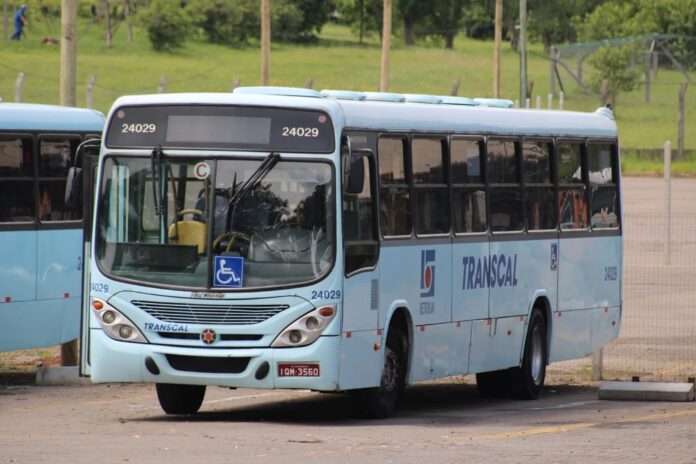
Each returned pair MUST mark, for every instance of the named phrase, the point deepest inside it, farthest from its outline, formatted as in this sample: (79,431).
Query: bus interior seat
(189,231)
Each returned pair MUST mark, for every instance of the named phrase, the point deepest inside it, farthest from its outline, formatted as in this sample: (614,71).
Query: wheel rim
(537,356)
(390,373)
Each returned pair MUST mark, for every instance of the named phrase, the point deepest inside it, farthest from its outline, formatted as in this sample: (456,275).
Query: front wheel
(527,381)
(180,399)
(380,402)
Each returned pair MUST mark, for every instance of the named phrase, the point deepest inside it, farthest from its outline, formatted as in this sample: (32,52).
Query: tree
(411,13)
(168,24)
(446,16)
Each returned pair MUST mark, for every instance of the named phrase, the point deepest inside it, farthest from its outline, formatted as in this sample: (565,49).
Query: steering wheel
(231,236)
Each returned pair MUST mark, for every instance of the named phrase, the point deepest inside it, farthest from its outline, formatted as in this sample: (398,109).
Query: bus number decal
(326,294)
(147,128)
(610,273)
(100,287)
(300,131)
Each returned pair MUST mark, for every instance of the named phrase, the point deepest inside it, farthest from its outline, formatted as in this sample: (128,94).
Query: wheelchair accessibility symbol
(229,271)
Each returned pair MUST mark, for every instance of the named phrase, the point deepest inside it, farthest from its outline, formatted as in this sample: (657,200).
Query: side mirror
(356,177)
(73,187)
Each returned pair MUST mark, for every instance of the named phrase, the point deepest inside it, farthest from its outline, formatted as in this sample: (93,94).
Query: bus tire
(380,402)
(527,380)
(494,384)
(180,399)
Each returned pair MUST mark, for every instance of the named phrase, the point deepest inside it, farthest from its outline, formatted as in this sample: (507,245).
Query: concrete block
(647,391)
(63,375)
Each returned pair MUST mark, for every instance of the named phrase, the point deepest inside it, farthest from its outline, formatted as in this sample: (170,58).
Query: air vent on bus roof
(283,91)
(495,102)
(421,98)
(344,94)
(384,96)
(459,101)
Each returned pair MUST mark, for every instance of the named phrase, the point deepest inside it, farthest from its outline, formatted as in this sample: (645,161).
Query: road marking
(563,406)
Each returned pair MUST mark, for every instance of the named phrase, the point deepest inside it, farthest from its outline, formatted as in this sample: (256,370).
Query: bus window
(468,186)
(603,192)
(430,186)
(506,190)
(395,209)
(539,190)
(56,155)
(16,179)
(572,206)
(359,229)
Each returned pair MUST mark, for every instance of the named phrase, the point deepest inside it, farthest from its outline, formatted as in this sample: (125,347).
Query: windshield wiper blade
(157,192)
(253,180)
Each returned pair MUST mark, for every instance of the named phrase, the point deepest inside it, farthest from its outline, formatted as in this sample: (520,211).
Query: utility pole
(265,42)
(523,50)
(6,20)
(68,66)
(498,40)
(386,45)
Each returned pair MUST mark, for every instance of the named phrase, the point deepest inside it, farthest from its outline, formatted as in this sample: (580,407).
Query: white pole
(668,201)
(561,96)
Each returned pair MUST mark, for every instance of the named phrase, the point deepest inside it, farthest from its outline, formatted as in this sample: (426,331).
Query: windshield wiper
(253,180)
(157,192)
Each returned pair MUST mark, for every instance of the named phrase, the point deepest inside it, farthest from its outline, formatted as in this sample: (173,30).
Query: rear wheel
(180,399)
(380,402)
(527,381)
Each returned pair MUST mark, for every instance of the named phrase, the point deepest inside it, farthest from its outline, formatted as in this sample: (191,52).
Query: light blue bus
(349,241)
(40,237)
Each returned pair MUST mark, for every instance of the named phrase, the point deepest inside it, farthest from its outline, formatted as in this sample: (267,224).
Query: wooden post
(386,45)
(454,90)
(549,102)
(655,64)
(668,201)
(553,57)
(648,63)
(530,89)
(235,83)
(496,53)
(310,83)
(538,102)
(6,22)
(597,364)
(265,42)
(163,84)
(90,91)
(527,103)
(561,97)
(68,78)
(680,120)
(603,89)
(107,22)
(129,26)
(19,85)
(523,51)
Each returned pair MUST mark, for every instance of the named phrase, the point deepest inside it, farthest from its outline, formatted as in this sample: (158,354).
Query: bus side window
(572,206)
(56,156)
(395,209)
(539,191)
(505,190)
(359,225)
(604,202)
(17,179)
(430,185)
(468,185)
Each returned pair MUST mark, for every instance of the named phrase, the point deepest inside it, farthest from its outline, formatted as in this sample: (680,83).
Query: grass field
(337,60)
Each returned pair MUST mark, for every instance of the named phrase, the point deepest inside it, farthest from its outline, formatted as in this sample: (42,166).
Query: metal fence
(657,341)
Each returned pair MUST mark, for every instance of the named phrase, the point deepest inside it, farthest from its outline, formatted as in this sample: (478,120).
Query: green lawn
(335,61)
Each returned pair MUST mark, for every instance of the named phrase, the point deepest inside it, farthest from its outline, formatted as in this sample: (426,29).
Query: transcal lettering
(165,327)
(489,272)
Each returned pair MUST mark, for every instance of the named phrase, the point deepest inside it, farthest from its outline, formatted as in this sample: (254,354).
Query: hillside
(335,61)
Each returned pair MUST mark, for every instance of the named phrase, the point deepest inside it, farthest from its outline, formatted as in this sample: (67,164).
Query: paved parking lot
(443,422)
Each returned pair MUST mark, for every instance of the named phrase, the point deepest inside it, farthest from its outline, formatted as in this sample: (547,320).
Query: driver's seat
(189,232)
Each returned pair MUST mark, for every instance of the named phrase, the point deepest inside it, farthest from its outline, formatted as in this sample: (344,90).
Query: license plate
(298,370)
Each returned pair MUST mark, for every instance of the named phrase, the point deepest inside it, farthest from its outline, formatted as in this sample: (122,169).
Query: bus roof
(418,114)
(29,117)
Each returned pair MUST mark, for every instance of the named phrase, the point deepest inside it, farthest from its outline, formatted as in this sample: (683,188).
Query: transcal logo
(489,272)
(427,280)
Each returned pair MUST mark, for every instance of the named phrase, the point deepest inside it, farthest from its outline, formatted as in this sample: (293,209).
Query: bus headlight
(115,324)
(306,329)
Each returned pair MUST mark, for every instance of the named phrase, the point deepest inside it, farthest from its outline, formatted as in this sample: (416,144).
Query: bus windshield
(276,215)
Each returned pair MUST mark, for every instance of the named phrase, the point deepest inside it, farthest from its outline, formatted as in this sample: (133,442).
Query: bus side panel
(432,350)
(360,365)
(32,324)
(496,343)
(518,269)
(59,265)
(570,338)
(469,299)
(605,326)
(18,269)
(359,310)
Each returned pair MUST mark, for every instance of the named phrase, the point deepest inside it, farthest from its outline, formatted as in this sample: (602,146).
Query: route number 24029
(326,294)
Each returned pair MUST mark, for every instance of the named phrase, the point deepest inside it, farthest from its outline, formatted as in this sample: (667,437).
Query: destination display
(221,127)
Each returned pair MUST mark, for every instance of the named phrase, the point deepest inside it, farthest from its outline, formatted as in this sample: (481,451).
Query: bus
(40,237)
(344,241)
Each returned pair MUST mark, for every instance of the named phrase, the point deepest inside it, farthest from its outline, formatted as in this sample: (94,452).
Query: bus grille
(207,364)
(213,314)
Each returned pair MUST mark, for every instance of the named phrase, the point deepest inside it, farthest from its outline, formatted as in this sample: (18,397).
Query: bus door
(89,159)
